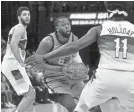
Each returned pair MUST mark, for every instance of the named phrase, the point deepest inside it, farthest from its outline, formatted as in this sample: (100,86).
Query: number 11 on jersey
(117,47)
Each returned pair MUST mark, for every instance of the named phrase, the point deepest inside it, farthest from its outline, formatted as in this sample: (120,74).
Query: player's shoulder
(47,40)
(113,22)
(129,25)
(19,28)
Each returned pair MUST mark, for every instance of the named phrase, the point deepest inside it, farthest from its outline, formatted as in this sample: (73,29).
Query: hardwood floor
(41,108)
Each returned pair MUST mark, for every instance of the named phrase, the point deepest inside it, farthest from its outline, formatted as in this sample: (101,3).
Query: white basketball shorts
(16,75)
(108,84)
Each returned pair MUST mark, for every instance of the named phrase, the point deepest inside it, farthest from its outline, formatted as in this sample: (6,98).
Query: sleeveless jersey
(21,45)
(56,44)
(116,45)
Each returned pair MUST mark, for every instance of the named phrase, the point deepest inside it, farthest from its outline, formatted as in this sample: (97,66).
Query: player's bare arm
(69,48)
(18,32)
(44,47)
(73,47)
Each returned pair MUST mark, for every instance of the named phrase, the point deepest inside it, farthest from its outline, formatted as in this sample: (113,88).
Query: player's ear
(19,18)
(57,29)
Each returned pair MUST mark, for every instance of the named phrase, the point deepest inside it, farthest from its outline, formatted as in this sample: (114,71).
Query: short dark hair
(120,5)
(20,9)
(56,21)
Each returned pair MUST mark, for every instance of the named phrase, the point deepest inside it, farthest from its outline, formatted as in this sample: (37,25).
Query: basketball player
(65,92)
(13,66)
(115,73)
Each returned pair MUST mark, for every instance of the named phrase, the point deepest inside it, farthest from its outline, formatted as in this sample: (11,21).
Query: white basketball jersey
(116,45)
(21,45)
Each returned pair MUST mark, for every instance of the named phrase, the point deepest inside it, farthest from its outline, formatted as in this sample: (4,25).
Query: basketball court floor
(41,108)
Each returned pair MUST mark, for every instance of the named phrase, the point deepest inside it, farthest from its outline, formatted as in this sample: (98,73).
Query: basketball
(76,71)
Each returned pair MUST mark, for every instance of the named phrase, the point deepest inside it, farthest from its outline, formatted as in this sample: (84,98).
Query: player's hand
(22,64)
(39,67)
(64,69)
(34,60)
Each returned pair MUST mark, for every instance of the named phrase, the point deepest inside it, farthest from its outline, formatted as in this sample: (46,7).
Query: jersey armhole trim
(73,38)
(52,43)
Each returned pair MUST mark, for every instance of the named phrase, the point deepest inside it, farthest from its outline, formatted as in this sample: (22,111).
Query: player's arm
(18,32)
(44,47)
(77,57)
(73,47)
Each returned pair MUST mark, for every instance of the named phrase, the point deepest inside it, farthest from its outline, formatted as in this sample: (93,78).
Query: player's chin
(68,33)
(27,22)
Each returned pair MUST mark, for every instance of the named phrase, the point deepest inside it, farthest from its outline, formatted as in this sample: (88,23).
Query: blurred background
(83,16)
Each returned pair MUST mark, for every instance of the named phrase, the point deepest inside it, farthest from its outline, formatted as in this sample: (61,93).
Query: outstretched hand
(34,60)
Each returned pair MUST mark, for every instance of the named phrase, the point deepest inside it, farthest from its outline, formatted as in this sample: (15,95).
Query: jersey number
(117,47)
(61,60)
(64,60)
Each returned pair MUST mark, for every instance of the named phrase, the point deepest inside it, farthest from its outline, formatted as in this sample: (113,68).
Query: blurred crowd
(9,99)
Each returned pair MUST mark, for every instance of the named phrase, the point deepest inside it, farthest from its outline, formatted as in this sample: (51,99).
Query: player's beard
(65,34)
(23,22)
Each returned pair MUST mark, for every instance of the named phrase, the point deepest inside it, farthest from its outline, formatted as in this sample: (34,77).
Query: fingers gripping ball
(75,71)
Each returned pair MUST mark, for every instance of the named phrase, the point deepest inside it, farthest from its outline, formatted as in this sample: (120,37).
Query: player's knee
(96,109)
(69,103)
(70,107)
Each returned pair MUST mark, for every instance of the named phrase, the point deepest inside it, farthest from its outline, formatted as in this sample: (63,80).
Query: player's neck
(61,38)
(23,24)
(118,19)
